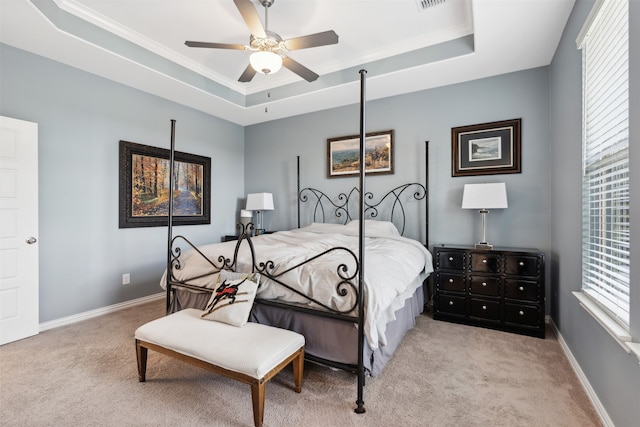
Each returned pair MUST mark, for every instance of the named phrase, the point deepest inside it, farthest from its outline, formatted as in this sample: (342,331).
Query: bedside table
(501,289)
(231,237)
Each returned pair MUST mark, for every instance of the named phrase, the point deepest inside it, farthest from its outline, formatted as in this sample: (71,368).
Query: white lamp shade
(265,62)
(485,196)
(259,202)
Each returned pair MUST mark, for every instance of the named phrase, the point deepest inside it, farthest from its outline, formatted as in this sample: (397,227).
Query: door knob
(31,240)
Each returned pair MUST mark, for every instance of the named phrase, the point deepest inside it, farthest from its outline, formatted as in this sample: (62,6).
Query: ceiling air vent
(423,4)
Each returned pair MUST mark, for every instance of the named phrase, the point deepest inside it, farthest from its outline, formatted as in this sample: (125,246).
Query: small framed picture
(343,154)
(486,149)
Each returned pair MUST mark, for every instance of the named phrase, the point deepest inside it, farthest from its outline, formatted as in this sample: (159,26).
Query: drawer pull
(521,313)
(484,261)
(521,263)
(450,302)
(450,258)
(484,307)
(450,280)
(484,283)
(521,288)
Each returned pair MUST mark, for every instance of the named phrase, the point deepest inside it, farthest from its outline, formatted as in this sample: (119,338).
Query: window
(605,180)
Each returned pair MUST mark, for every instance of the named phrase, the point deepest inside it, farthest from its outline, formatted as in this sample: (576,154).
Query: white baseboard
(593,397)
(98,312)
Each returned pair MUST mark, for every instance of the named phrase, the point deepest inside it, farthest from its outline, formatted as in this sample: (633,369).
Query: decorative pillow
(232,300)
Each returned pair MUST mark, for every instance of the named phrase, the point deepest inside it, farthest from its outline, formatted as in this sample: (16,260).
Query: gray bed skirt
(326,338)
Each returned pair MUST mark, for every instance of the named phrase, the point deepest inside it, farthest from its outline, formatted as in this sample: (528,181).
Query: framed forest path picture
(144,187)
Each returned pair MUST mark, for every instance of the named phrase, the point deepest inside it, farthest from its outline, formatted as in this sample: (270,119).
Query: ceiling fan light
(265,62)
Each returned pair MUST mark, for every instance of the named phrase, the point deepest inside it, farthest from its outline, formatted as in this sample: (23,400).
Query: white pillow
(373,227)
(319,227)
(232,300)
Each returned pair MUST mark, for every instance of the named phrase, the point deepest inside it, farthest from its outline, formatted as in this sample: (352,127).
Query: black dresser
(500,289)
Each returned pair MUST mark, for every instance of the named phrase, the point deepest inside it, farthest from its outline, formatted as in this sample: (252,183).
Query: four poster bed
(313,279)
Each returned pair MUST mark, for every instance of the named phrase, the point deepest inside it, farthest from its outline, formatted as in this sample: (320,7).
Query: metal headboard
(343,208)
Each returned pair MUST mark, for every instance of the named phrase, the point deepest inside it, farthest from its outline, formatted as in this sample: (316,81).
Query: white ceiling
(140,43)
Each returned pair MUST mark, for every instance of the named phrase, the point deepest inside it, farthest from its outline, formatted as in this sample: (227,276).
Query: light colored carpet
(443,374)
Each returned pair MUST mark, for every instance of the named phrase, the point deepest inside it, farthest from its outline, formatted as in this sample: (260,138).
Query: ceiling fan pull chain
(266,109)
(268,94)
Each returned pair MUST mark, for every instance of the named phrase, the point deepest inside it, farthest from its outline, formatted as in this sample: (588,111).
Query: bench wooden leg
(141,355)
(298,369)
(257,398)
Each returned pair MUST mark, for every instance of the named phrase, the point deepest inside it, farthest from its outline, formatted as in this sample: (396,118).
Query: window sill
(618,333)
(635,348)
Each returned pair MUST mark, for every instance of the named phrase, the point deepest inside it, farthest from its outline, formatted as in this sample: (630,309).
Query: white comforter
(394,267)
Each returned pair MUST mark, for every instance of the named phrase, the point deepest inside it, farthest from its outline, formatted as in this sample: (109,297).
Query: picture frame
(486,149)
(343,154)
(144,187)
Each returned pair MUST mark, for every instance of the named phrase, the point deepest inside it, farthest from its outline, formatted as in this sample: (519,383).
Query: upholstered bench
(252,354)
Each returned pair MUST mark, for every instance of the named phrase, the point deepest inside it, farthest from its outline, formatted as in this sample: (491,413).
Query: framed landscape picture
(486,149)
(144,187)
(343,154)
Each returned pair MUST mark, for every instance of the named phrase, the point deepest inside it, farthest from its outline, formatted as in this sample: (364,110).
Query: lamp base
(484,246)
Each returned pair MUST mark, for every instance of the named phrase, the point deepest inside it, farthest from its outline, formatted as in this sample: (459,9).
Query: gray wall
(271,149)
(81,118)
(613,374)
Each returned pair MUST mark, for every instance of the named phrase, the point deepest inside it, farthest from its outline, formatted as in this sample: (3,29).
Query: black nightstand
(231,237)
(500,289)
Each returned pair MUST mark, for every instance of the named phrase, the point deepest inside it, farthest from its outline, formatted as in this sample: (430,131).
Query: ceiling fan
(268,46)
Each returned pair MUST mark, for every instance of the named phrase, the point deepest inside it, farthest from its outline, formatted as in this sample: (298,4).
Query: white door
(19,315)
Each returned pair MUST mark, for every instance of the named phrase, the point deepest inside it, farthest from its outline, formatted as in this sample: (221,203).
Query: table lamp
(484,197)
(259,202)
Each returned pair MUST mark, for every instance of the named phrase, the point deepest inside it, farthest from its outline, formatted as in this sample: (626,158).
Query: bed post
(298,192)
(170,218)
(360,400)
(426,195)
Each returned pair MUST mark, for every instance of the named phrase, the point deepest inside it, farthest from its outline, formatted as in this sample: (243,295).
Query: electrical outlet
(126,278)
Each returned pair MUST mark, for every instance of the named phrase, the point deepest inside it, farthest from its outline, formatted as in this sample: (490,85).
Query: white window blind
(605,179)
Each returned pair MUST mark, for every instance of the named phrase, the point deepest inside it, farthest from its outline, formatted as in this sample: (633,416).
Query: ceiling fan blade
(251,17)
(215,45)
(299,69)
(247,75)
(312,40)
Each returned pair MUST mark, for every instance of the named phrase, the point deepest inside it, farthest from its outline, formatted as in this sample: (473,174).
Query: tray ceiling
(403,47)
